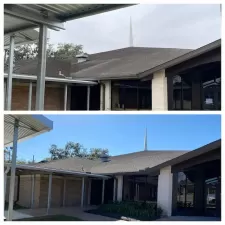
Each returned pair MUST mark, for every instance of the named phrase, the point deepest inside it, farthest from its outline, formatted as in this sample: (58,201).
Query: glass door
(213,197)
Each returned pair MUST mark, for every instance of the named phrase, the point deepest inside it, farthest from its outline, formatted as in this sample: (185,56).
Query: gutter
(53,79)
(51,170)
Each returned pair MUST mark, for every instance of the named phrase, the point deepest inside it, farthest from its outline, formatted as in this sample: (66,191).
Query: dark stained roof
(124,63)
(119,63)
(127,163)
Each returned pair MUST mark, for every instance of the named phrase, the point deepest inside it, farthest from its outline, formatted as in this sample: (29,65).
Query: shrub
(137,210)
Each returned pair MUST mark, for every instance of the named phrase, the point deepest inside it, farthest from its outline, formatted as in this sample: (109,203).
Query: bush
(136,210)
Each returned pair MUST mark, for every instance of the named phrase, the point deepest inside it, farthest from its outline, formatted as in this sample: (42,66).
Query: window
(185,194)
(140,188)
(131,94)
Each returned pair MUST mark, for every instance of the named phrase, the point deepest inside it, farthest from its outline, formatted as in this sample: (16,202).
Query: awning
(22,37)
(29,126)
(19,17)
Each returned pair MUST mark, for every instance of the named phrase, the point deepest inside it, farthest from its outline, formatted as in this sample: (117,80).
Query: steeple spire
(145,141)
(131,34)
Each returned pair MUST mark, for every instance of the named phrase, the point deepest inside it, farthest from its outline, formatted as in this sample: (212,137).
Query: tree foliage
(73,149)
(60,51)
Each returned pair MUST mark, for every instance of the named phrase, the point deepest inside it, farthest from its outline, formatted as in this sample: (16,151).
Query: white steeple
(145,141)
(131,34)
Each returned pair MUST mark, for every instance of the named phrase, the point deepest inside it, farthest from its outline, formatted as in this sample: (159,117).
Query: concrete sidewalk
(70,211)
(189,218)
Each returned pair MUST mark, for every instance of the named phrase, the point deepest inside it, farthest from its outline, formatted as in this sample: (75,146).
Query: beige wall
(72,197)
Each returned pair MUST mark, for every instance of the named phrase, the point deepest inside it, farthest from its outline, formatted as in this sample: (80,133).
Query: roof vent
(82,57)
(104,157)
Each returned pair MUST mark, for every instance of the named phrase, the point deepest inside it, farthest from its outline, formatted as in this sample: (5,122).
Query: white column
(164,195)
(114,190)
(103,191)
(49,192)
(32,190)
(64,192)
(30,96)
(13,171)
(159,91)
(65,97)
(119,188)
(10,73)
(82,192)
(42,57)
(107,95)
(102,94)
(88,97)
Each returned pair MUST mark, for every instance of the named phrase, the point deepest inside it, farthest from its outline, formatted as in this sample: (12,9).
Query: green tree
(73,149)
(30,51)
(67,51)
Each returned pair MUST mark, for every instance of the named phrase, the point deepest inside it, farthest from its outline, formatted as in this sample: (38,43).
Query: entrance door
(213,197)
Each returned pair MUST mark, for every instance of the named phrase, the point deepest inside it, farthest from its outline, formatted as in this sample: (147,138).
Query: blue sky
(123,134)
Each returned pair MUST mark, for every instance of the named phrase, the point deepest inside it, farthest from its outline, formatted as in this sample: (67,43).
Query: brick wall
(54,97)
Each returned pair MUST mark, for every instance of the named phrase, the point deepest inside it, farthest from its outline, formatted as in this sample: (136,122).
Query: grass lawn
(52,218)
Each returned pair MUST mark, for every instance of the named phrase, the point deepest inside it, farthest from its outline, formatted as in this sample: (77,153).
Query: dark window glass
(185,194)
(140,188)
(131,94)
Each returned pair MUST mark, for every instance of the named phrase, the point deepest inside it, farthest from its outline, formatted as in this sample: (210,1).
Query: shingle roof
(125,63)
(119,63)
(127,163)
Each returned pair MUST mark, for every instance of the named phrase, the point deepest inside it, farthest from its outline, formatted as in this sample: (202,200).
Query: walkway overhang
(29,126)
(26,16)
(22,37)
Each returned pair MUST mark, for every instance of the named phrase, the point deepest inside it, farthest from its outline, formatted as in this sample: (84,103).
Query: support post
(119,188)
(64,192)
(82,193)
(30,96)
(65,96)
(42,57)
(5,92)
(88,97)
(49,192)
(5,180)
(114,190)
(13,171)
(32,190)
(10,73)
(103,191)
(102,99)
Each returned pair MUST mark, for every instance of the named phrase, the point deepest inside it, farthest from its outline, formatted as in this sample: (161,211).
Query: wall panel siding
(73,192)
